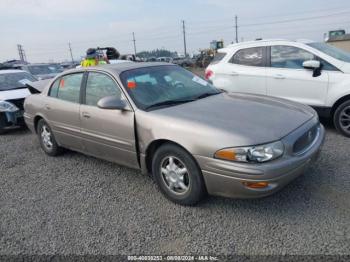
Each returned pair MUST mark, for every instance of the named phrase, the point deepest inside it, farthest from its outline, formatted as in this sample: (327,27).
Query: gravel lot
(74,204)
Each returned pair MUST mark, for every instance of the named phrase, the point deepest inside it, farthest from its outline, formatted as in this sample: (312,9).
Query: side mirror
(311,64)
(112,102)
(314,65)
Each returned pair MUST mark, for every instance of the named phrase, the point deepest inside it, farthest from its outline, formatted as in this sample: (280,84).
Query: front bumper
(228,179)
(11,120)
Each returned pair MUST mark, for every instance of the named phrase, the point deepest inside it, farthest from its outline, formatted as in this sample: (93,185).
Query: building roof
(345,37)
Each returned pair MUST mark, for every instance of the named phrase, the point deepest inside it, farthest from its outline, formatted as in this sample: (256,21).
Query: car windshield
(10,81)
(332,51)
(161,86)
(45,69)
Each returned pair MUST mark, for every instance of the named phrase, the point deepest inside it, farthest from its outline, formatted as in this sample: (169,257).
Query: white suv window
(289,57)
(253,56)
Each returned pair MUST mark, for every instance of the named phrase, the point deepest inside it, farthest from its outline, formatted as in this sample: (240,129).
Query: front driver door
(107,134)
(287,78)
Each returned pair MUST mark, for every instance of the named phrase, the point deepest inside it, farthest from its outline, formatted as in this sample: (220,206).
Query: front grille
(306,140)
(17,102)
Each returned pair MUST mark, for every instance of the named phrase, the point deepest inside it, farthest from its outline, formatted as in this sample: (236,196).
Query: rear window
(218,57)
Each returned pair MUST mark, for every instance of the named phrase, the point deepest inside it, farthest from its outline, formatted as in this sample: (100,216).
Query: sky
(45,27)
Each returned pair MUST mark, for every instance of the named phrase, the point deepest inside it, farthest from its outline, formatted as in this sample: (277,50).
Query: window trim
(83,90)
(59,78)
(315,57)
(264,57)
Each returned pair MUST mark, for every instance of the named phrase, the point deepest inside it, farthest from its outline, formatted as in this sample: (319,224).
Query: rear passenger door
(246,71)
(61,110)
(106,133)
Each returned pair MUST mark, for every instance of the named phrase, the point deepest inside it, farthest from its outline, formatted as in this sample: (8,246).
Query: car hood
(46,76)
(345,67)
(234,119)
(14,94)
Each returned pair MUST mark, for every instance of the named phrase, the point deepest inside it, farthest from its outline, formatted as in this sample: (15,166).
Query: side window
(54,88)
(99,86)
(289,57)
(249,56)
(69,87)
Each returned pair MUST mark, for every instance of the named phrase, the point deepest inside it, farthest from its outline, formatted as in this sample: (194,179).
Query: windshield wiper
(169,102)
(204,95)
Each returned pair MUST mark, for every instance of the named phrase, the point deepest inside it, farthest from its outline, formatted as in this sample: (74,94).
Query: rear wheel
(47,139)
(177,175)
(342,118)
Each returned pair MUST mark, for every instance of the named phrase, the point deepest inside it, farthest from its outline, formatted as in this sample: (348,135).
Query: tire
(179,179)
(2,123)
(47,139)
(341,118)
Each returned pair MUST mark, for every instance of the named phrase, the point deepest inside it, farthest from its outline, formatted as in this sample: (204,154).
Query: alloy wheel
(175,175)
(344,119)
(46,137)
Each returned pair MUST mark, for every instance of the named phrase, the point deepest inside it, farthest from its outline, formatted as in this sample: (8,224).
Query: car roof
(262,42)
(40,64)
(121,67)
(11,71)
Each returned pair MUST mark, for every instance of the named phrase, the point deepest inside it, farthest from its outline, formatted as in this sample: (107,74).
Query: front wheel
(47,139)
(177,175)
(342,118)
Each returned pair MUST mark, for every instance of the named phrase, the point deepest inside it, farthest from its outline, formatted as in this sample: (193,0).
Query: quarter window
(99,86)
(289,57)
(69,87)
(249,56)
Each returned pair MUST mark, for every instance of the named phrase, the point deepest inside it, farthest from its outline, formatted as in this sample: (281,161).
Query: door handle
(279,76)
(233,73)
(47,107)
(86,115)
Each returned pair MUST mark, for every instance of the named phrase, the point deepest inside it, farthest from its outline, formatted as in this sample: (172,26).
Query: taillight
(208,74)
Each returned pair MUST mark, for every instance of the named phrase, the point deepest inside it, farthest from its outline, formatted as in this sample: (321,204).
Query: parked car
(311,73)
(13,91)
(165,59)
(43,71)
(166,121)
(183,61)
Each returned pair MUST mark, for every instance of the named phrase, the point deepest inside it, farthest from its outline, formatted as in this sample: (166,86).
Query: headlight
(257,154)
(7,107)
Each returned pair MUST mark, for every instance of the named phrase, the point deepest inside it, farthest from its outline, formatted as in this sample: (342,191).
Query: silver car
(191,137)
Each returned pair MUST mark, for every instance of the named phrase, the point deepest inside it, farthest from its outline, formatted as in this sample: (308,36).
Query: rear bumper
(224,178)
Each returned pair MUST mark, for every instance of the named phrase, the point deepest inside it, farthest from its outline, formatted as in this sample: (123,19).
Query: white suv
(315,74)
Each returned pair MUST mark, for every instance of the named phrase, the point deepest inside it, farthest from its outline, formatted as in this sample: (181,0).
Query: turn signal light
(226,154)
(256,184)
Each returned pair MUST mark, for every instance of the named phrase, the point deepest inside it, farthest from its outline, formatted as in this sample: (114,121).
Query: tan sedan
(162,119)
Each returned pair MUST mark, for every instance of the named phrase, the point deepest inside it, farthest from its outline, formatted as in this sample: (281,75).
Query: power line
(295,20)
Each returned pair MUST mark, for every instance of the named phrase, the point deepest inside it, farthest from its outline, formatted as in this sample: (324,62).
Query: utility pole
(134,40)
(71,54)
(22,55)
(184,33)
(236,26)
